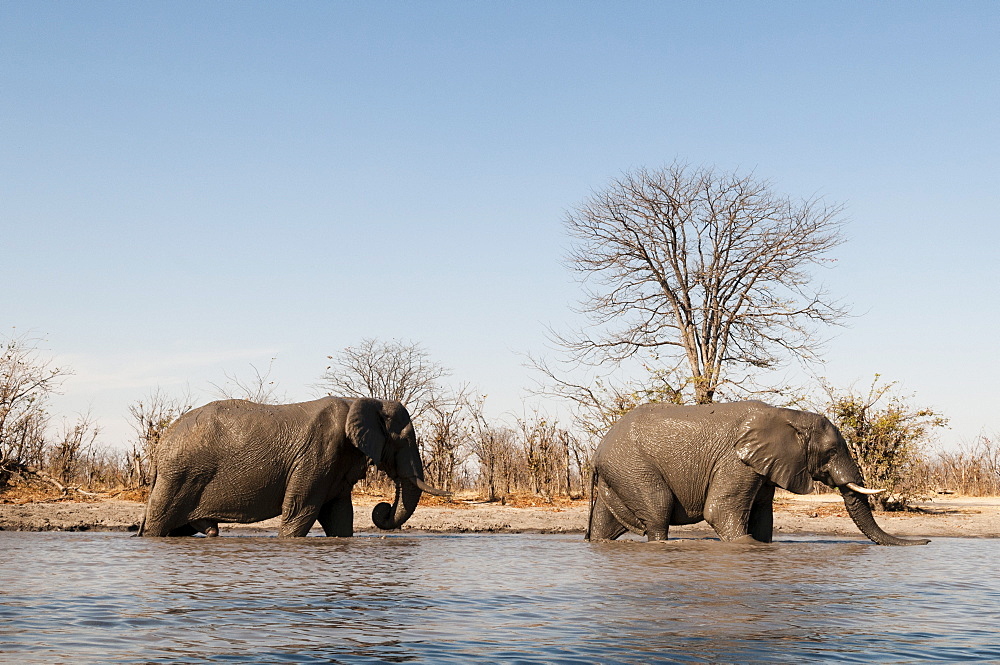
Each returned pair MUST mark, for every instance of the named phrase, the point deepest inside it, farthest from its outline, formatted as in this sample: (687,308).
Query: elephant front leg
(337,517)
(761,523)
(730,507)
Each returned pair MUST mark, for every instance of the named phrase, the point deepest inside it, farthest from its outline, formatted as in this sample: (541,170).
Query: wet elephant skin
(238,461)
(665,464)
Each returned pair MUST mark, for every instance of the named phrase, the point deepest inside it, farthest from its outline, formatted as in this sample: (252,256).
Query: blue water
(111,598)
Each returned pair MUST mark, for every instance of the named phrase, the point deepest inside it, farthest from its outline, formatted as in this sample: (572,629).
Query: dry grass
(37,492)
(23,492)
(139,494)
(825,509)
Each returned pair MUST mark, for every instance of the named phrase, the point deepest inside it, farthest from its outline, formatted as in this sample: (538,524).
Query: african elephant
(664,464)
(237,461)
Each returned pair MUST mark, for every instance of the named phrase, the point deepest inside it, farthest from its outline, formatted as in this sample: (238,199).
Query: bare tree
(601,401)
(707,266)
(261,388)
(580,452)
(73,447)
(151,417)
(443,435)
(494,448)
(26,382)
(546,454)
(401,371)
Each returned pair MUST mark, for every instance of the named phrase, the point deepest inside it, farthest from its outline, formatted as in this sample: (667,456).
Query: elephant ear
(773,446)
(365,427)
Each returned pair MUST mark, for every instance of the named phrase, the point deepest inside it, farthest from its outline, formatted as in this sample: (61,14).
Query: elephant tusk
(863,490)
(428,488)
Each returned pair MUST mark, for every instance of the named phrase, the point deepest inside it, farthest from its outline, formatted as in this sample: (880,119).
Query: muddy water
(110,598)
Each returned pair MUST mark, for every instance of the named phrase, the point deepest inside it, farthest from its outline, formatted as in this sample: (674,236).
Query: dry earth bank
(948,515)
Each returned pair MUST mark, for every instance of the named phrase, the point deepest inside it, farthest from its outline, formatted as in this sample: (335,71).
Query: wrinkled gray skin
(237,461)
(664,464)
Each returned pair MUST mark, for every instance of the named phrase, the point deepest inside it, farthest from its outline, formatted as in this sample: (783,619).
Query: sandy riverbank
(947,516)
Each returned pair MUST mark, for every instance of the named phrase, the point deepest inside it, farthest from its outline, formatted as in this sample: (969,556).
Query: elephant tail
(152,483)
(593,500)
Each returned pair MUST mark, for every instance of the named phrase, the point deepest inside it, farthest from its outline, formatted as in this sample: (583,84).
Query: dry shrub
(888,437)
(973,469)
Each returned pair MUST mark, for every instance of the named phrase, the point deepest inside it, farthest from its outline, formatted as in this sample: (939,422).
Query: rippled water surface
(111,598)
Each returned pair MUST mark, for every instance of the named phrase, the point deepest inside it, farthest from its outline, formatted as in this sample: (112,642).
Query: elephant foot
(744,540)
(208,527)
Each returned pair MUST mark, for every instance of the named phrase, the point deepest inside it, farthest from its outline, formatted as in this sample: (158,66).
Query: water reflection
(492,598)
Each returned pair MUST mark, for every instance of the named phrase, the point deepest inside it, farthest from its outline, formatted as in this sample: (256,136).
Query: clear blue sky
(188,188)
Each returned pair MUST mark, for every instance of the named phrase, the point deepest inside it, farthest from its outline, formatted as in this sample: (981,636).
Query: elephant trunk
(861,514)
(392,517)
(407,471)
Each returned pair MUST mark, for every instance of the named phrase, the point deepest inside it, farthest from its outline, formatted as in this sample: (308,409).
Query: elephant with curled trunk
(664,464)
(237,461)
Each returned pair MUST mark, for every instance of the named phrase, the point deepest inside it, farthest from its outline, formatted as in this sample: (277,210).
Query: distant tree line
(463,447)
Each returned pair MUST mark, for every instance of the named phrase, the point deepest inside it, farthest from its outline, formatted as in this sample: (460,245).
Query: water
(110,598)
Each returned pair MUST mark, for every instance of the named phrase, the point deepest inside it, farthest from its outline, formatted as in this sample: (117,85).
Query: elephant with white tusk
(237,461)
(664,464)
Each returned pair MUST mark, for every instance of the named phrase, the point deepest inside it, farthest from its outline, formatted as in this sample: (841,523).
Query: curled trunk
(861,513)
(390,517)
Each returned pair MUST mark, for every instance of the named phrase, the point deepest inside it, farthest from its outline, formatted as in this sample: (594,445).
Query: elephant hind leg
(297,518)
(603,524)
(642,508)
(165,514)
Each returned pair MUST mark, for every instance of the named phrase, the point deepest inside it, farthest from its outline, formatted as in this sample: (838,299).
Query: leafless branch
(260,388)
(151,416)
(396,370)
